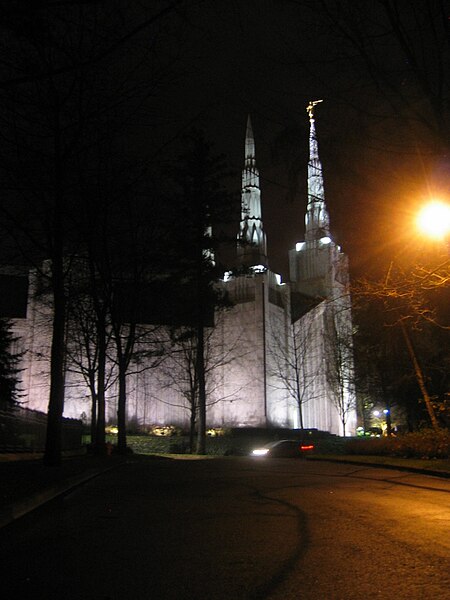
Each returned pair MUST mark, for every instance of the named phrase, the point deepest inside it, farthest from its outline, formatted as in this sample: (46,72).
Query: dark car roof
(278,442)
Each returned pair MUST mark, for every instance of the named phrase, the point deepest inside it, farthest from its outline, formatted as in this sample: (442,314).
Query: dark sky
(383,128)
(268,58)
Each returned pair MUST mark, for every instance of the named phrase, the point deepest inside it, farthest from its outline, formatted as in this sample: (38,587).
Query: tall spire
(252,244)
(317,266)
(249,145)
(317,220)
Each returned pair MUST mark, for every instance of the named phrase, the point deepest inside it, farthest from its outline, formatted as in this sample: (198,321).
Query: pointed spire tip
(249,140)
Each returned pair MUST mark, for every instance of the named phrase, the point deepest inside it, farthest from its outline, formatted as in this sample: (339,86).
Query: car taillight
(304,448)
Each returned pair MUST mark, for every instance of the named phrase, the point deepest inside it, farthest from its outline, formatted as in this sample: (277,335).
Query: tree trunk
(53,444)
(100,440)
(93,428)
(299,400)
(200,367)
(121,408)
(420,378)
(192,429)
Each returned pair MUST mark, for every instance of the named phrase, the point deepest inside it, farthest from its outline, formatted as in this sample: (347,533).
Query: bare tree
(64,87)
(179,370)
(394,61)
(134,343)
(43,125)
(88,338)
(338,357)
(411,302)
(293,363)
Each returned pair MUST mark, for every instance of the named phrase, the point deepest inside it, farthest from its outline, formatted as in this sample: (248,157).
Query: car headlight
(260,451)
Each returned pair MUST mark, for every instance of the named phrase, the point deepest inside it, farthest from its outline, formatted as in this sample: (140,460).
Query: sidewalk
(26,483)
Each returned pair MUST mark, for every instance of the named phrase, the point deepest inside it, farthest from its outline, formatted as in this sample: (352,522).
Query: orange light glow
(434,220)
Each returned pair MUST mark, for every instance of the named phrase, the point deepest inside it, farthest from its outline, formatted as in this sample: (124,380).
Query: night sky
(268,59)
(382,68)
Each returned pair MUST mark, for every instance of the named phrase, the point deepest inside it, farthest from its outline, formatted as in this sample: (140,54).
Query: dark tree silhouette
(199,194)
(9,366)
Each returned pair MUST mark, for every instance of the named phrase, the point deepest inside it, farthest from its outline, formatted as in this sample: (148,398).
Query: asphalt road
(235,529)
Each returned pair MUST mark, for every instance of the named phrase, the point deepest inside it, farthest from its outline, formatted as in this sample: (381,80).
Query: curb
(404,468)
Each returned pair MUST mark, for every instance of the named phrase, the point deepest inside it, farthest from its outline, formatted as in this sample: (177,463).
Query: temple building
(281,356)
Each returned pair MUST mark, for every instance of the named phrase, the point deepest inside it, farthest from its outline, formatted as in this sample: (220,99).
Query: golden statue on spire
(310,107)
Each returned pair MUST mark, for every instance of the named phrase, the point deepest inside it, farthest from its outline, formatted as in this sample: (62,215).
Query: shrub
(165,430)
(426,443)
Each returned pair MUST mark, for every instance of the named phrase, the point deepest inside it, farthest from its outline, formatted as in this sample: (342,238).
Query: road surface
(235,529)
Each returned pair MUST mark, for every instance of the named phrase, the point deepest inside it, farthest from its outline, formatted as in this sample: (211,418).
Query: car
(284,449)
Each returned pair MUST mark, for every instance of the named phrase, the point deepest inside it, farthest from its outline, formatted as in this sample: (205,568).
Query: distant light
(278,278)
(386,411)
(215,432)
(258,269)
(299,246)
(325,240)
(376,413)
(227,275)
(434,219)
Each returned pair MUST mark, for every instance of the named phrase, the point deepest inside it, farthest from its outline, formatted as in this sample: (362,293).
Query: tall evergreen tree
(9,371)
(198,195)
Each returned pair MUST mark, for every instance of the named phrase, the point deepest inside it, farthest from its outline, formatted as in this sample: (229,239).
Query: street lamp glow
(434,219)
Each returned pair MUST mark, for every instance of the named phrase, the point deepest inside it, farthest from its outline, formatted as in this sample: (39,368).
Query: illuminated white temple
(281,356)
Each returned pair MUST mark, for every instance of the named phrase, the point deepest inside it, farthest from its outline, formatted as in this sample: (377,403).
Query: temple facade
(281,356)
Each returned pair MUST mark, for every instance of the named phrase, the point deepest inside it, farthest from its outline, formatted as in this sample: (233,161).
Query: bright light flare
(260,451)
(434,220)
